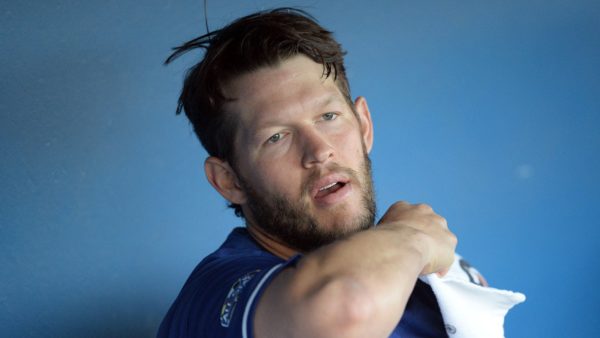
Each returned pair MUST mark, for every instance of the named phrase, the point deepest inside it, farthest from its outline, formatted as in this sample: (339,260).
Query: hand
(426,231)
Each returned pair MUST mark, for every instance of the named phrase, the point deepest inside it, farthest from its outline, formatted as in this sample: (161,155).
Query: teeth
(328,186)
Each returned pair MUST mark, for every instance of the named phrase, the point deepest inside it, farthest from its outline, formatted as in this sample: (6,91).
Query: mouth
(331,189)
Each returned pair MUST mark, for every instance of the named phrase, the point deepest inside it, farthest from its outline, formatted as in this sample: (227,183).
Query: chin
(347,223)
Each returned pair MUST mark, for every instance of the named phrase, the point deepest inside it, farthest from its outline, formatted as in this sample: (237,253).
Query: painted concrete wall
(487,110)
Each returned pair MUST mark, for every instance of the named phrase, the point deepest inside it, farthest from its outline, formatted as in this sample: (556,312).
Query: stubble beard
(292,223)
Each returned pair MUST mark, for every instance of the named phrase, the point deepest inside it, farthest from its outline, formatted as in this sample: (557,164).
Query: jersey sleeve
(219,298)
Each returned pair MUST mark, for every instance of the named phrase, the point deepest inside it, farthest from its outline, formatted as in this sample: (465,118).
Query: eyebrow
(325,99)
(321,101)
(328,99)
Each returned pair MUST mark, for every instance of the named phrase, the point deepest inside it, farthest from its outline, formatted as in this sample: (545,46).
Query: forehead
(286,89)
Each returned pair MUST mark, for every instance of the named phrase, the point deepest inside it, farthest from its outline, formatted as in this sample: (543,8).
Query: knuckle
(424,207)
(440,220)
(397,207)
(452,238)
(399,204)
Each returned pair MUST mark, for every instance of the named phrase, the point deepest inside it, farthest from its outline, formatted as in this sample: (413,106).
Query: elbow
(345,308)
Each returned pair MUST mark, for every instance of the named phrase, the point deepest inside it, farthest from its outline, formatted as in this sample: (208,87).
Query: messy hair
(258,40)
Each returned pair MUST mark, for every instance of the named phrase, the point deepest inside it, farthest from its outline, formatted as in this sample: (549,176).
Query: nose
(316,149)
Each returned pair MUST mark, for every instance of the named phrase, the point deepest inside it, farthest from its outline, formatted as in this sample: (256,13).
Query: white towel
(469,309)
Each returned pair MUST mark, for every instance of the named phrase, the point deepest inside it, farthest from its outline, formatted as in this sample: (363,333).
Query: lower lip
(336,197)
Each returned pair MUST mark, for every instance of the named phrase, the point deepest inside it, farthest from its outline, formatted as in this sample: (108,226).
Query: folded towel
(470,309)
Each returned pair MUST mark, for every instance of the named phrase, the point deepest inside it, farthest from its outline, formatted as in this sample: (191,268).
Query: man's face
(301,155)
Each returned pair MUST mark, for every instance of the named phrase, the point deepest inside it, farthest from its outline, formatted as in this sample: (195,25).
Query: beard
(291,221)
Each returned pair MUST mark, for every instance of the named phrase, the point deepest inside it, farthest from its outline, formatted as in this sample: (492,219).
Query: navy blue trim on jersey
(219,298)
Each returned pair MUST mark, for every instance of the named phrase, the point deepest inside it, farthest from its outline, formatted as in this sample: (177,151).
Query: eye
(329,116)
(275,138)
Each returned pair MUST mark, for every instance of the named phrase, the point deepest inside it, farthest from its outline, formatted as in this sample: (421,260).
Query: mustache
(332,168)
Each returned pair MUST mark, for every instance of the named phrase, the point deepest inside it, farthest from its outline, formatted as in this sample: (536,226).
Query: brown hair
(258,40)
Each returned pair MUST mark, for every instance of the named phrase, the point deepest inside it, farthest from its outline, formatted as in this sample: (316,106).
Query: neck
(270,243)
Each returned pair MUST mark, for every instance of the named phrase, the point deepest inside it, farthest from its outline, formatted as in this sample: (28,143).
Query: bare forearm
(375,269)
(358,286)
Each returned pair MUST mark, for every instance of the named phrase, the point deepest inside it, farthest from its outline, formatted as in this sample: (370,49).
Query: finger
(443,272)
(394,211)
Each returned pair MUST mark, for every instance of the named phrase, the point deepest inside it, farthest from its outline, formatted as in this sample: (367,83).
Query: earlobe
(366,125)
(224,179)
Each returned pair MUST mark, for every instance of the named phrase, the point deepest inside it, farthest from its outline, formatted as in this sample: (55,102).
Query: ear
(224,179)
(364,118)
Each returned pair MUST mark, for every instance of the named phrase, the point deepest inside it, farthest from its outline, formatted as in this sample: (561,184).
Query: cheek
(350,147)
(275,178)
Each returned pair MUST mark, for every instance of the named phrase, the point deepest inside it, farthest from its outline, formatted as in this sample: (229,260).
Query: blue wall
(489,112)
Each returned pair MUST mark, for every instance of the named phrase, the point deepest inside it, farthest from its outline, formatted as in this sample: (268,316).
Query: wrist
(415,245)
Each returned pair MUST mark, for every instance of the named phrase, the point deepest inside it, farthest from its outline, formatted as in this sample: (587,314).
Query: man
(288,148)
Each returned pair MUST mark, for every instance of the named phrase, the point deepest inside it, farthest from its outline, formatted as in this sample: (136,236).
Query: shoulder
(220,290)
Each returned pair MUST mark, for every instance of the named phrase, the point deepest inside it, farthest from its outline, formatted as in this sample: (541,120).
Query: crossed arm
(358,286)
